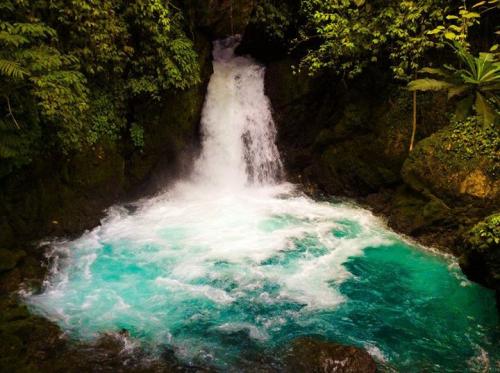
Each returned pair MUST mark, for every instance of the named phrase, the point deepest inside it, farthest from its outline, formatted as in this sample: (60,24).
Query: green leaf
(428,85)
(435,71)
(12,69)
(450,35)
(457,90)
(484,110)
(471,15)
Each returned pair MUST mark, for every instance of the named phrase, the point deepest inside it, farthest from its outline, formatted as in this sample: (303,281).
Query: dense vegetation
(69,71)
(347,37)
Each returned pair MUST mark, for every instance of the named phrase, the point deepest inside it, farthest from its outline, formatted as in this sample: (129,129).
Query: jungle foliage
(70,69)
(475,85)
(348,35)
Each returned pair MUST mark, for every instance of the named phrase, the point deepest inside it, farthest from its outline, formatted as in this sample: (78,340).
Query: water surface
(233,263)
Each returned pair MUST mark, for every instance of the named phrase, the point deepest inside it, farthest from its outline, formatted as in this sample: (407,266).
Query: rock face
(9,259)
(480,252)
(440,165)
(222,18)
(310,355)
(347,139)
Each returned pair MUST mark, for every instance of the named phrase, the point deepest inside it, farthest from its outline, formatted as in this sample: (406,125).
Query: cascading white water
(238,130)
(233,262)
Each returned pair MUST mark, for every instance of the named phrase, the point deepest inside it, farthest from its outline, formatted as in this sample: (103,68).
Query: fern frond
(12,69)
(15,40)
(7,5)
(34,30)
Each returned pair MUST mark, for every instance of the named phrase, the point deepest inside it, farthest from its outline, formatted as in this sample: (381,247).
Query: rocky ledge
(312,355)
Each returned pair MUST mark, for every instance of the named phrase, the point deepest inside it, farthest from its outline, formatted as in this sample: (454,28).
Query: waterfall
(232,263)
(238,131)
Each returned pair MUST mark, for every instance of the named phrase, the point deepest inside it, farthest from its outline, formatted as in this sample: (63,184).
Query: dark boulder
(221,18)
(480,252)
(311,355)
(9,259)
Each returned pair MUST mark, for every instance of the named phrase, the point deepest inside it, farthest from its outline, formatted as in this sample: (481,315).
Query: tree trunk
(414,127)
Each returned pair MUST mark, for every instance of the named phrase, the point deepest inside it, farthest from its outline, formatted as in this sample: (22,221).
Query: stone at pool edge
(9,259)
(311,355)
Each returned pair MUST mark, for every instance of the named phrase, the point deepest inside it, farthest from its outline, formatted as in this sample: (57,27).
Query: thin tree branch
(12,114)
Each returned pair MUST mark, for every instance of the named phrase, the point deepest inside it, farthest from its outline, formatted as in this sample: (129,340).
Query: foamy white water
(237,126)
(233,257)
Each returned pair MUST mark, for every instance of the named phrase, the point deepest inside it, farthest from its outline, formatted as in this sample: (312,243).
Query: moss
(222,17)
(96,168)
(324,139)
(454,164)
(355,119)
(411,212)
(285,87)
(480,259)
(347,169)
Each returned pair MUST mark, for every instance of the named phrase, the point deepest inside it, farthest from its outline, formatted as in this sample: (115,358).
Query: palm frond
(457,90)
(467,58)
(435,71)
(427,84)
(491,87)
(484,109)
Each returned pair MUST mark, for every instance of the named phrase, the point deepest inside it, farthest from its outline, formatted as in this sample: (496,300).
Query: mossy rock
(346,169)
(455,166)
(355,120)
(413,213)
(222,17)
(285,87)
(101,168)
(480,257)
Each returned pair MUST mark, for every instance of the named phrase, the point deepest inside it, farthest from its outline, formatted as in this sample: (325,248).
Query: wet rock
(10,258)
(453,166)
(311,355)
(222,18)
(480,255)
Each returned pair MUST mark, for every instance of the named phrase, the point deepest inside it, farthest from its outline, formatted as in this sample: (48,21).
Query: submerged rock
(311,355)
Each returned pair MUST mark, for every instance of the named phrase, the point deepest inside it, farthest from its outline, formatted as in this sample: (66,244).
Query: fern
(12,69)
(7,38)
(34,30)
(6,5)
